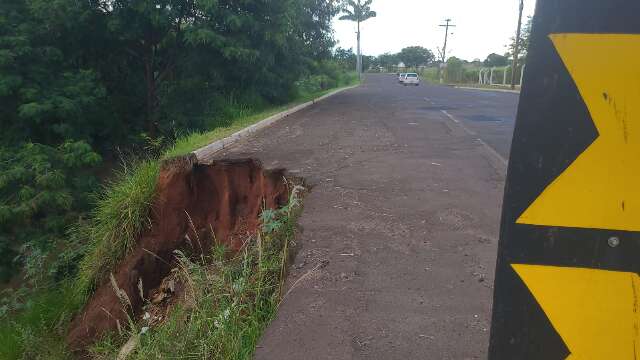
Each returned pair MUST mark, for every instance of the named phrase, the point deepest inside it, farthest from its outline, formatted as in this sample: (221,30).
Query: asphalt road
(398,238)
(489,114)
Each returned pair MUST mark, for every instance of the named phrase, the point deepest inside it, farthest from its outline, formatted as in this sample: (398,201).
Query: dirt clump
(195,205)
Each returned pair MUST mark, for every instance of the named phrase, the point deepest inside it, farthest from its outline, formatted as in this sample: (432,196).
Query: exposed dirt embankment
(192,201)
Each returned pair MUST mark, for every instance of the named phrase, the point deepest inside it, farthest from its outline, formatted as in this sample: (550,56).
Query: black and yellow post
(567,284)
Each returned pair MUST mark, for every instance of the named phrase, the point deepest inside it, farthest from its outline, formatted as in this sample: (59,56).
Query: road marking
(457,122)
(493,152)
(489,149)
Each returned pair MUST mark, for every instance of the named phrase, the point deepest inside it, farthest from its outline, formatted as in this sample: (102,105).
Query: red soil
(226,196)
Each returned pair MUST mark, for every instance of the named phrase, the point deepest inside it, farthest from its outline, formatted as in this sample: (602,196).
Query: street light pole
(516,48)
(444,48)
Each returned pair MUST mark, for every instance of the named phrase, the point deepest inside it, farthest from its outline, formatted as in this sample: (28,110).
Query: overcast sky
(483,26)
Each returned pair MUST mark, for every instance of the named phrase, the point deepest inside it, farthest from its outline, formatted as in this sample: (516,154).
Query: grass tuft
(198,140)
(120,216)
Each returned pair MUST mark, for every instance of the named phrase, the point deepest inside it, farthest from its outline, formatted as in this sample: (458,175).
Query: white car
(401,77)
(411,79)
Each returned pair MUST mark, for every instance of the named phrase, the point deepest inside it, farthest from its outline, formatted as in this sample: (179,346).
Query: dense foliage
(523,45)
(459,71)
(495,60)
(83,82)
(347,59)
(388,60)
(413,56)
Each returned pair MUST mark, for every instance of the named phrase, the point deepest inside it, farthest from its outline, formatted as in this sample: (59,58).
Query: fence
(498,76)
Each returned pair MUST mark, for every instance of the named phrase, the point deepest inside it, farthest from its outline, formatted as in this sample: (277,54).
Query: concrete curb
(205,153)
(487,89)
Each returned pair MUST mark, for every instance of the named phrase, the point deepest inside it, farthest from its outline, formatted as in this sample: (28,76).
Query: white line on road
(458,122)
(489,149)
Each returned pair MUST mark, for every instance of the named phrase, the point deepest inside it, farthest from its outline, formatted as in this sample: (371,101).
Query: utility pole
(516,48)
(358,11)
(359,56)
(444,48)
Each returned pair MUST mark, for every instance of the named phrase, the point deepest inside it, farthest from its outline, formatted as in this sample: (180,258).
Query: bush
(326,75)
(430,74)
(43,190)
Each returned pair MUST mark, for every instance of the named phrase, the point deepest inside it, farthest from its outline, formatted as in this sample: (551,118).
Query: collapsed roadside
(123,213)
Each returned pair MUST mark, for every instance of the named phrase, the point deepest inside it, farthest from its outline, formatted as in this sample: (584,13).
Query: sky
(482,26)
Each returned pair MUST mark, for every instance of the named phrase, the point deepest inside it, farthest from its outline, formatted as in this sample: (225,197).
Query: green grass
(430,75)
(38,332)
(198,140)
(121,215)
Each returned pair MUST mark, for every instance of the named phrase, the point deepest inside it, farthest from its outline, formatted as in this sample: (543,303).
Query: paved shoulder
(398,235)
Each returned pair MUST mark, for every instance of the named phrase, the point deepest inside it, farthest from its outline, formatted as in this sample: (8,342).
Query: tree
(80,80)
(368,61)
(154,34)
(315,26)
(525,36)
(414,56)
(455,70)
(495,60)
(345,57)
(358,12)
(182,51)
(42,190)
(388,60)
